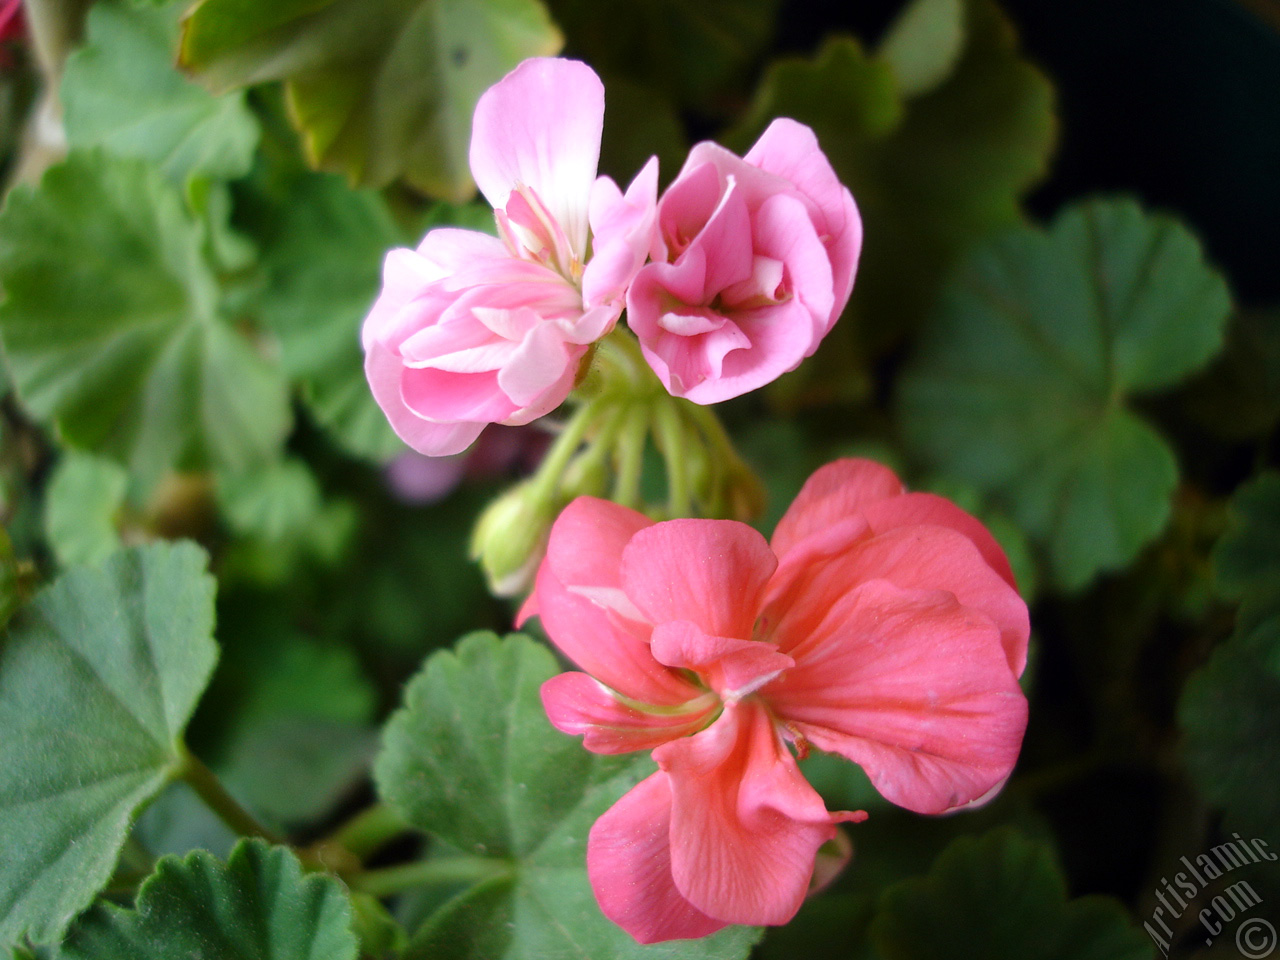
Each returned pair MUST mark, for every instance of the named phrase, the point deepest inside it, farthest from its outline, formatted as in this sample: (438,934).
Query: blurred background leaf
(113,330)
(1001,896)
(120,91)
(381,89)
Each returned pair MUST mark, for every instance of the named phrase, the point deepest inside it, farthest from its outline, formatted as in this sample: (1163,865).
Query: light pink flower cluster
(752,262)
(879,625)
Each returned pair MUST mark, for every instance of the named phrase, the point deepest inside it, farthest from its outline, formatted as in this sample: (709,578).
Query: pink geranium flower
(755,262)
(472,329)
(879,625)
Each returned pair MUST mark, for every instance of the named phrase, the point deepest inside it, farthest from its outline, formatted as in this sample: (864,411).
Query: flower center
(532,233)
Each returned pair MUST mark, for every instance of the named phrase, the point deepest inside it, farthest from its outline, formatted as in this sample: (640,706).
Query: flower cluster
(879,625)
(732,278)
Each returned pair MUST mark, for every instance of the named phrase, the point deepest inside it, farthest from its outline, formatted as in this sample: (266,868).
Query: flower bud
(510,538)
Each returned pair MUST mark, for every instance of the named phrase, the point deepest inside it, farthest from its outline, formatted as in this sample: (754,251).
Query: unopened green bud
(510,538)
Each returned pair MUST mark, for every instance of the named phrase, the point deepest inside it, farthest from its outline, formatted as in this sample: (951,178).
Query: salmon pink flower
(472,329)
(879,625)
(755,262)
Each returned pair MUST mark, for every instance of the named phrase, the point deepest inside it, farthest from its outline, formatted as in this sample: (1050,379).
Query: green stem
(601,446)
(210,789)
(386,881)
(734,476)
(369,830)
(562,450)
(672,441)
(712,430)
(630,457)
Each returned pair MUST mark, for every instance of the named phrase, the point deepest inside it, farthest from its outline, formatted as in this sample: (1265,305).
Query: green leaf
(1238,396)
(283,519)
(1020,386)
(380,89)
(121,92)
(924,44)
(1000,896)
(1246,559)
(82,507)
(179,821)
(257,906)
(287,721)
(694,54)
(408,586)
(849,98)
(931,175)
(325,267)
(1228,711)
(98,677)
(111,325)
(472,759)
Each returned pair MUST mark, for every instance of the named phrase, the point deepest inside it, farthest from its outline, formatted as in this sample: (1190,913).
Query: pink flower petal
(592,325)
(734,668)
(770,341)
(463,346)
(585,549)
(727,244)
(820,568)
(623,231)
(540,126)
(613,650)
(405,276)
(686,207)
(782,231)
(580,706)
(537,365)
(911,686)
(790,149)
(629,865)
(447,397)
(838,490)
(928,508)
(745,824)
(384,371)
(712,573)
(451,250)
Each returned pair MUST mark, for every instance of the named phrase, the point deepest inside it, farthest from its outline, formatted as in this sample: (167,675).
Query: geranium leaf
(924,44)
(282,520)
(1233,728)
(1020,386)
(1006,893)
(82,503)
(1246,559)
(380,89)
(472,759)
(325,265)
(120,91)
(112,328)
(931,174)
(98,678)
(694,54)
(257,906)
(286,723)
